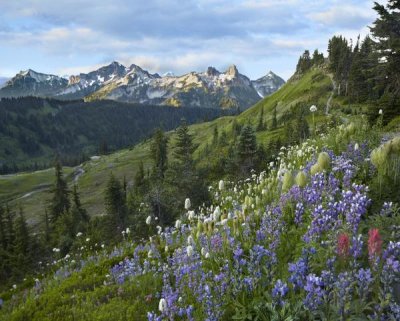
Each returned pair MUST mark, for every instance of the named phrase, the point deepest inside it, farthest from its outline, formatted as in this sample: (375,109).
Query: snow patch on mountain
(210,88)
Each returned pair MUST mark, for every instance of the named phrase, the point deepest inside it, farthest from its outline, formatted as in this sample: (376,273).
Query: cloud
(172,35)
(344,16)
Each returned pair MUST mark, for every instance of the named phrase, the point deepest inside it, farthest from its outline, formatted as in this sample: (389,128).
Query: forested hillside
(34,130)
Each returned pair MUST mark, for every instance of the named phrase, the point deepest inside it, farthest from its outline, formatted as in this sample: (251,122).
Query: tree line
(367,70)
(33,130)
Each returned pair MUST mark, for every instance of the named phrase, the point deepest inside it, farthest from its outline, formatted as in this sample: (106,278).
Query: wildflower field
(315,237)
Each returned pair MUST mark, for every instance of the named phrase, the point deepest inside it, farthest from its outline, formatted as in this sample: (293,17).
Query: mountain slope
(268,84)
(208,89)
(214,89)
(84,85)
(32,83)
(312,88)
(277,249)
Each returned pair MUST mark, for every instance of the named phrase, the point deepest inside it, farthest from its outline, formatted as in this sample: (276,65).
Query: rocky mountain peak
(211,71)
(232,71)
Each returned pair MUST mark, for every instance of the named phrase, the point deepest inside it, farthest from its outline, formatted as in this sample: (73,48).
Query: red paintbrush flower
(374,243)
(343,245)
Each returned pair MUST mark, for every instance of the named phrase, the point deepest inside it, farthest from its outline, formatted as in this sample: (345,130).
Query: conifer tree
(318,58)
(260,125)
(386,30)
(247,149)
(183,178)
(22,240)
(304,62)
(184,147)
(339,61)
(158,153)
(9,225)
(115,203)
(362,80)
(59,203)
(139,179)
(215,136)
(79,214)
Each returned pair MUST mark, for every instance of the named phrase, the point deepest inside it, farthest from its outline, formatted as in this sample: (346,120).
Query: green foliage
(158,153)
(340,62)
(59,203)
(386,31)
(304,63)
(115,203)
(33,129)
(247,149)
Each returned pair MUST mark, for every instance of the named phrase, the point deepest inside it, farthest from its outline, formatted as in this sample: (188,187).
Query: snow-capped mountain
(84,85)
(268,84)
(211,88)
(32,83)
(208,89)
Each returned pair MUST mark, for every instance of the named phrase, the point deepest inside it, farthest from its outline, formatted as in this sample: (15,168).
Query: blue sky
(66,37)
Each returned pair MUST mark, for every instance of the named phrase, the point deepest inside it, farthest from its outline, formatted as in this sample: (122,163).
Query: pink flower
(374,243)
(343,245)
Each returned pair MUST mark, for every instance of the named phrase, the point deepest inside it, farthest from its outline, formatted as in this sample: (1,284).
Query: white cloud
(344,16)
(172,35)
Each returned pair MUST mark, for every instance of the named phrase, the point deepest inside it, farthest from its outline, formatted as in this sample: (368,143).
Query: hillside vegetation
(288,211)
(313,88)
(34,130)
(298,241)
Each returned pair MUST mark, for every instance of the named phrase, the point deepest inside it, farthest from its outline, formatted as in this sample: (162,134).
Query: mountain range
(211,88)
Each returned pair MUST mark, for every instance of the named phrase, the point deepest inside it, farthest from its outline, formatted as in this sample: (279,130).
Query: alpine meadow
(159,193)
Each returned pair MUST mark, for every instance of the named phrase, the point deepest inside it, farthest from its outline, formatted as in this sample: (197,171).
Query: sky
(66,37)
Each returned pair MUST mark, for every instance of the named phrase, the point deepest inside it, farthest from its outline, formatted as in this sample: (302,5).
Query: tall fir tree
(140,180)
(362,80)
(340,61)
(247,149)
(183,178)
(115,203)
(184,147)
(79,214)
(317,58)
(158,153)
(386,31)
(304,63)
(59,203)
(9,225)
(22,243)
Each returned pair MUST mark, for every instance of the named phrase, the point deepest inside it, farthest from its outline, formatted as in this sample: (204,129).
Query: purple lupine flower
(315,292)
(279,292)
(364,280)
(298,213)
(356,246)
(343,293)
(298,273)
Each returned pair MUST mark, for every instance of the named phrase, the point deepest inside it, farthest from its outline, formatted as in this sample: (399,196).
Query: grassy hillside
(268,249)
(312,88)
